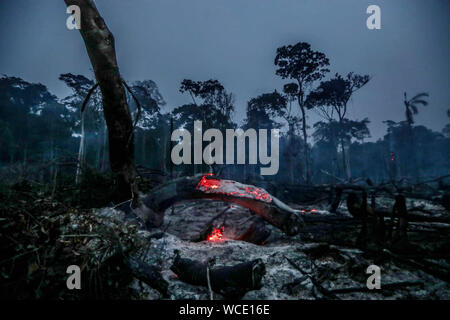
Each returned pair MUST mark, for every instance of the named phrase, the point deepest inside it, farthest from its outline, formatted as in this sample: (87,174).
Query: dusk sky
(235,41)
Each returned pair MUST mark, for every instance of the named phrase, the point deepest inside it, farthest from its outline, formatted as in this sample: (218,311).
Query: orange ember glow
(217,235)
(311,211)
(209,184)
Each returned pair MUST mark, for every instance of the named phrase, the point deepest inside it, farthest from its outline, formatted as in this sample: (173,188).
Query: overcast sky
(235,41)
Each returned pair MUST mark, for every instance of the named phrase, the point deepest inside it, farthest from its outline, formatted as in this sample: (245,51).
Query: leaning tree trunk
(99,43)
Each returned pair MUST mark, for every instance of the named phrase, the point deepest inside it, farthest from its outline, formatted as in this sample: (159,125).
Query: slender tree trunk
(144,148)
(99,150)
(52,156)
(345,160)
(305,139)
(165,143)
(25,155)
(415,172)
(55,179)
(99,43)
(291,156)
(104,148)
(80,151)
(349,169)
(291,178)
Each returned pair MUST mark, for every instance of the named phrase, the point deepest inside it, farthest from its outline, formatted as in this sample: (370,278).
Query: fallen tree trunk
(230,281)
(257,200)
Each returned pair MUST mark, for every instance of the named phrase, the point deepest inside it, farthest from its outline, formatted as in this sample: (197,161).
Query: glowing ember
(311,211)
(217,235)
(208,184)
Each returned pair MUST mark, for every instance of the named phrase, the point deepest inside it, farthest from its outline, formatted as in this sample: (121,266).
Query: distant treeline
(41,134)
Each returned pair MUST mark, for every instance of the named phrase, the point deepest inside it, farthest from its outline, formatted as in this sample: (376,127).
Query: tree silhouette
(411,105)
(331,98)
(90,120)
(262,110)
(304,65)
(411,109)
(262,113)
(212,105)
(148,135)
(34,125)
(348,129)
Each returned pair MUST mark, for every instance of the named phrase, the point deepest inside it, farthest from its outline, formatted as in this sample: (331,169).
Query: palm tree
(411,109)
(412,104)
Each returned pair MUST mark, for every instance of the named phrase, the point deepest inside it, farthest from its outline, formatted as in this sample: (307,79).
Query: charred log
(255,199)
(230,281)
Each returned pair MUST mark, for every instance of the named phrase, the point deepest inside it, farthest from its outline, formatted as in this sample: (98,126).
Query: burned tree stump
(257,200)
(230,281)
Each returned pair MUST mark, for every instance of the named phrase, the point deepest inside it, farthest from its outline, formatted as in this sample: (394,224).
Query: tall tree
(262,113)
(150,121)
(262,110)
(411,109)
(304,65)
(344,131)
(92,119)
(335,94)
(100,46)
(211,104)
(212,101)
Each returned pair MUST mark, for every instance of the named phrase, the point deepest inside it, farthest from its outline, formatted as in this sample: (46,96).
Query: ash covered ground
(325,261)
